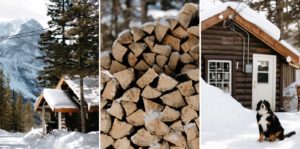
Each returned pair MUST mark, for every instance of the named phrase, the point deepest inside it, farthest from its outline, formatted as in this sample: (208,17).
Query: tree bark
(82,106)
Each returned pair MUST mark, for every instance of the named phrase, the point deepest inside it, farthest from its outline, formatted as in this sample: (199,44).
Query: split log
(169,114)
(105,59)
(193,101)
(120,129)
(194,30)
(186,88)
(125,37)
(137,33)
(106,141)
(150,93)
(116,67)
(148,27)
(177,126)
(116,110)
(166,83)
(150,40)
(191,131)
(125,81)
(147,78)
(172,41)
(110,89)
(179,32)
(154,125)
(133,95)
(176,138)
(129,107)
(149,58)
(161,30)
(186,58)
(188,114)
(118,51)
(142,66)
(137,48)
(173,23)
(194,144)
(173,60)
(190,43)
(173,99)
(131,59)
(151,106)
(136,118)
(105,122)
(161,60)
(123,143)
(144,138)
(162,49)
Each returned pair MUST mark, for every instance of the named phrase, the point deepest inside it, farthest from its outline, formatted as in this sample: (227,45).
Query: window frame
(209,71)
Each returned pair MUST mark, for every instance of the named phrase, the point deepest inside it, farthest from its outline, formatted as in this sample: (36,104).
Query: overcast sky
(13,9)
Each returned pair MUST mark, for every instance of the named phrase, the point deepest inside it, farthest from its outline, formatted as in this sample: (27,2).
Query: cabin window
(219,74)
(263,72)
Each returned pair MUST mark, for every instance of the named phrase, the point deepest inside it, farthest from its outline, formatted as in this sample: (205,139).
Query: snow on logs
(149,85)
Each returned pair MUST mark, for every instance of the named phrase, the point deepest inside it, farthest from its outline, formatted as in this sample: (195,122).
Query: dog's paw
(260,140)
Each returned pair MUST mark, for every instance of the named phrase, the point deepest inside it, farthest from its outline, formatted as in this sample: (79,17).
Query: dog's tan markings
(277,134)
(272,137)
(261,137)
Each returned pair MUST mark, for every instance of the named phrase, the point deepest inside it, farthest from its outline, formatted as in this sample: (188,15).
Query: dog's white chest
(263,122)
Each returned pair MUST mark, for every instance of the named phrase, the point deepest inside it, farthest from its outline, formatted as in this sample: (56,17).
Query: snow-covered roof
(90,89)
(208,10)
(58,100)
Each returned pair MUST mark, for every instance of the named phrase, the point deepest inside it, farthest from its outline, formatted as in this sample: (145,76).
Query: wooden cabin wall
(219,43)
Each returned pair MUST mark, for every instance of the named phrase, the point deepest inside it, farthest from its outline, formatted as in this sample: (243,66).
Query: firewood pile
(149,85)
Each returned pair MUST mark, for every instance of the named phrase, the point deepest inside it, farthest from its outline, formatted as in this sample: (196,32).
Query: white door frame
(271,81)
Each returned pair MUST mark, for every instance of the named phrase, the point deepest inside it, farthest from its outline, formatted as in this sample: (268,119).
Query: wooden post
(298,95)
(59,120)
(43,120)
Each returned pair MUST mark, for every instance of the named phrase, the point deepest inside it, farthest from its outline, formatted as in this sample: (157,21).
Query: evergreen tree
(72,47)
(28,117)
(5,108)
(53,43)
(84,31)
(19,114)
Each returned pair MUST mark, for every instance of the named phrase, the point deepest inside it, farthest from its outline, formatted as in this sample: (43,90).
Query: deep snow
(59,139)
(226,124)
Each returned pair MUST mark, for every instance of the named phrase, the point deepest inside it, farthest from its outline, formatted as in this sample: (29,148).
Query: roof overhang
(59,103)
(253,29)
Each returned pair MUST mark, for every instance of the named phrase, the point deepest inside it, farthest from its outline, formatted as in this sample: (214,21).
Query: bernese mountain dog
(268,123)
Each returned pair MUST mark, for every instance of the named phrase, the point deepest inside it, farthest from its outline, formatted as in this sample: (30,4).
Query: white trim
(222,82)
(59,121)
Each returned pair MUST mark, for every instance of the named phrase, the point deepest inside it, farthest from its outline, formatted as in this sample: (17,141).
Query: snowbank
(228,125)
(58,139)
(291,92)
(221,107)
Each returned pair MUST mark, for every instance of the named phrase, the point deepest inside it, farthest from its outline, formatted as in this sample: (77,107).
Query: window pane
(262,77)
(263,66)
(212,65)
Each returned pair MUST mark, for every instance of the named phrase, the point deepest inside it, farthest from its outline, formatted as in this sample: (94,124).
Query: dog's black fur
(268,123)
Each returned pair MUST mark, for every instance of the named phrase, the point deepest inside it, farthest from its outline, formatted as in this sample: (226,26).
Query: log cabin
(62,104)
(242,54)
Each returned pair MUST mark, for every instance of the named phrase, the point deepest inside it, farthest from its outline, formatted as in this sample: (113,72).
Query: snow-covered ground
(226,124)
(59,139)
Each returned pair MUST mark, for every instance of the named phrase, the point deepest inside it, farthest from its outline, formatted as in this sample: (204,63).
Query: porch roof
(57,100)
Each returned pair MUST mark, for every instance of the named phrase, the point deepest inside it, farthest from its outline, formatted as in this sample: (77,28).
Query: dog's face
(263,107)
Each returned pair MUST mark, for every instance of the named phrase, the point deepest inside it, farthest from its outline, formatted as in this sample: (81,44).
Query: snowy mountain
(18,55)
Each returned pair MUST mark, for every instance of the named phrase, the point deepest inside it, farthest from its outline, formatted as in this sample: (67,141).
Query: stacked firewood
(149,85)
